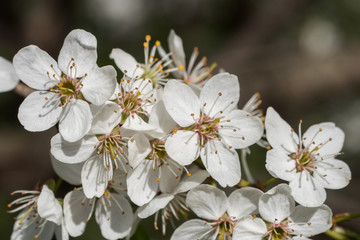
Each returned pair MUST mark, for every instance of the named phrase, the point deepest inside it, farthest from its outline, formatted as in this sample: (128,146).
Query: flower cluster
(153,136)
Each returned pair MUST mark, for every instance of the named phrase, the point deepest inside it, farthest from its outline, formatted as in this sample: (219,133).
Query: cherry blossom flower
(40,217)
(280,219)
(210,126)
(154,69)
(113,211)
(171,200)
(103,151)
(195,75)
(222,213)
(64,89)
(8,77)
(147,155)
(308,162)
(135,98)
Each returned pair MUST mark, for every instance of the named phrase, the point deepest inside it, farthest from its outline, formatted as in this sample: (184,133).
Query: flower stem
(268,182)
(57,185)
(345,216)
(245,166)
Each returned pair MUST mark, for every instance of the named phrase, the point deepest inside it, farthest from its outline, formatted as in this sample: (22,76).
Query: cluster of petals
(40,216)
(141,139)
(281,219)
(193,74)
(210,126)
(113,212)
(307,161)
(101,152)
(221,212)
(65,88)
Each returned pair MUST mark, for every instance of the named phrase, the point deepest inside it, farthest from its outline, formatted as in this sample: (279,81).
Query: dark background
(302,56)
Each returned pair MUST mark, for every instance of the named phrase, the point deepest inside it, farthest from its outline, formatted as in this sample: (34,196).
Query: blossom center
(224,226)
(206,128)
(304,160)
(278,230)
(112,148)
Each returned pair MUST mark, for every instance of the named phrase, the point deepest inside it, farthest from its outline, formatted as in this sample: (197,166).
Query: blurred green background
(302,56)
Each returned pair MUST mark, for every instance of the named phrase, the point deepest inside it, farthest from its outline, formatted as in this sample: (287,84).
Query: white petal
(221,93)
(176,46)
(181,103)
(8,77)
(168,180)
(106,119)
(142,183)
(221,162)
(243,202)
(243,129)
(76,122)
(276,204)
(72,152)
(77,211)
(190,182)
(28,229)
(71,173)
(193,229)
(280,165)
(158,202)
(183,146)
(278,132)
(115,222)
(80,46)
(126,62)
(38,114)
(118,182)
(139,148)
(48,206)
(333,173)
(99,85)
(328,131)
(61,232)
(94,177)
(249,228)
(207,201)
(136,123)
(311,221)
(160,118)
(307,190)
(32,65)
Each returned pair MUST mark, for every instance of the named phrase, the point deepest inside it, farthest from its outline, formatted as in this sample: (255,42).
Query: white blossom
(221,212)
(193,74)
(210,126)
(154,69)
(103,151)
(63,89)
(280,219)
(113,211)
(307,162)
(41,215)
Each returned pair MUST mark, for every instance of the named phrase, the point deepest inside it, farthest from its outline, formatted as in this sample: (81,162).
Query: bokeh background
(302,56)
